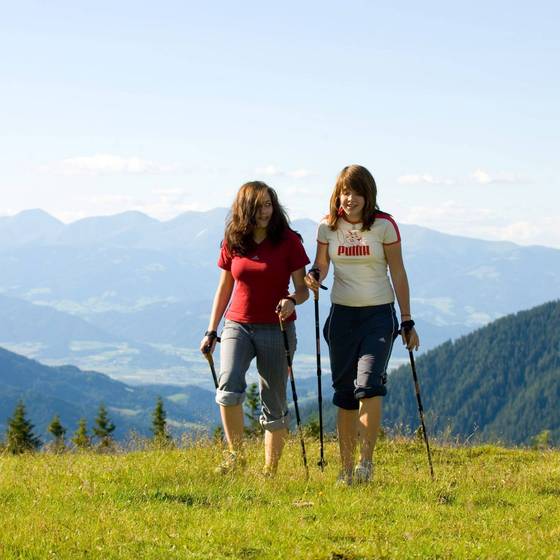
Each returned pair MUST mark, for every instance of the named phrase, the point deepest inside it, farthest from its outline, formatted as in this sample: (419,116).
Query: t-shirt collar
(343,216)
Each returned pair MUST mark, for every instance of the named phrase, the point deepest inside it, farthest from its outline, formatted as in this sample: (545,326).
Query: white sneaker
(363,472)
(344,478)
(233,461)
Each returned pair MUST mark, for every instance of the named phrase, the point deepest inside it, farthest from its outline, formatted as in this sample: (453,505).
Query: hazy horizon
(169,219)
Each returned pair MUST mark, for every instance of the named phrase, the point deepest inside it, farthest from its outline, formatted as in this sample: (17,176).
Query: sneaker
(268,472)
(232,461)
(363,472)
(344,478)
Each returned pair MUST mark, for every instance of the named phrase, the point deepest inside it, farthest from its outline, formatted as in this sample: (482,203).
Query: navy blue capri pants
(360,342)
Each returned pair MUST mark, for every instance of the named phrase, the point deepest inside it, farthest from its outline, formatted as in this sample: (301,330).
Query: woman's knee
(229,398)
(344,398)
(271,424)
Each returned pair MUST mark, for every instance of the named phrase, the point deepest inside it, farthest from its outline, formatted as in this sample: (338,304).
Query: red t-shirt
(262,278)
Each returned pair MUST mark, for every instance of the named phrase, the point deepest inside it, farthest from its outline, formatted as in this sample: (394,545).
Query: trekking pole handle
(212,335)
(315,271)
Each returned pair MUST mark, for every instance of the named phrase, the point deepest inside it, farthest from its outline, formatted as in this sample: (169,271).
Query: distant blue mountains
(129,295)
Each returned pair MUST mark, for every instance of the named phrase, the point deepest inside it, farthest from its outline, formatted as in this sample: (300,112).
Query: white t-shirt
(360,267)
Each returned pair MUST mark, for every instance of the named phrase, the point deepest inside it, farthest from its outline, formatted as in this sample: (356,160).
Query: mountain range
(129,295)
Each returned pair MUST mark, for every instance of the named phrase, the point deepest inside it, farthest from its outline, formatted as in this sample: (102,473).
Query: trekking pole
(421,410)
(315,272)
(294,393)
(208,356)
(210,359)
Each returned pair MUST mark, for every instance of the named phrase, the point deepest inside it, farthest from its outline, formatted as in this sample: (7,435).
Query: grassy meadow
(486,502)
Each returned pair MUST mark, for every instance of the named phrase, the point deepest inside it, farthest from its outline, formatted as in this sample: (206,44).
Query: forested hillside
(501,382)
(73,393)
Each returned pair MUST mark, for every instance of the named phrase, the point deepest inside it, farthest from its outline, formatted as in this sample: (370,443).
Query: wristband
(212,335)
(292,299)
(406,326)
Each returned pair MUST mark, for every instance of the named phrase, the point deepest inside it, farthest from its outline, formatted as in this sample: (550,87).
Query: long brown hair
(361,181)
(241,220)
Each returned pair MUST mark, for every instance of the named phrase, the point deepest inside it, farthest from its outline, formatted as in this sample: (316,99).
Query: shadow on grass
(549,491)
(182,498)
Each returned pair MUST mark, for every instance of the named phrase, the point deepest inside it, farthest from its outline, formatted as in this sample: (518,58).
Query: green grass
(486,502)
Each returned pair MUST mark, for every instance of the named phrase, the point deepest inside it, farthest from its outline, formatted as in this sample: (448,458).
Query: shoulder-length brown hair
(241,220)
(361,181)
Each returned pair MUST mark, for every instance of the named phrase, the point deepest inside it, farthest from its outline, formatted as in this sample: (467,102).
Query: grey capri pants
(360,342)
(241,342)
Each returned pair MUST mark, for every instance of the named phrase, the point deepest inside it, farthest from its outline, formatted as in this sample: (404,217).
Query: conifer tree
(20,436)
(57,430)
(159,422)
(103,428)
(81,437)
(312,428)
(252,410)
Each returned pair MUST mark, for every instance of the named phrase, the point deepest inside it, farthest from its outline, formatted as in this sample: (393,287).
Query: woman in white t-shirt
(363,243)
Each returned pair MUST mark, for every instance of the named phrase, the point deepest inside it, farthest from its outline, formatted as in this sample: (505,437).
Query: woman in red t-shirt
(259,255)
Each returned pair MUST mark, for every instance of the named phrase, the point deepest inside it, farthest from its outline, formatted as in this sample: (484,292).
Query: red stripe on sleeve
(390,219)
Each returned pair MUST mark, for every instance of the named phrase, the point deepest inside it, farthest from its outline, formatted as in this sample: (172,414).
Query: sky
(166,107)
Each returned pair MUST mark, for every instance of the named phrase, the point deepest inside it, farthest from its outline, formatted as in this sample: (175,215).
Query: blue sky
(167,107)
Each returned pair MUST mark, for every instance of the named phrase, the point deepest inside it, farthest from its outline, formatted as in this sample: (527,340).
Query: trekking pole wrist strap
(212,335)
(407,326)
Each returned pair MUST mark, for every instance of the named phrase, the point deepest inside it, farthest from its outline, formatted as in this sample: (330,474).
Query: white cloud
(170,202)
(294,190)
(161,203)
(425,178)
(107,164)
(165,209)
(478,318)
(524,232)
(449,214)
(480,176)
(300,173)
(169,192)
(116,200)
(485,178)
(443,304)
(484,223)
(273,171)
(269,171)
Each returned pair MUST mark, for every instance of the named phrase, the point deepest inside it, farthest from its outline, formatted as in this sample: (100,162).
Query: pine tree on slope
(159,423)
(20,437)
(81,437)
(103,428)
(58,431)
